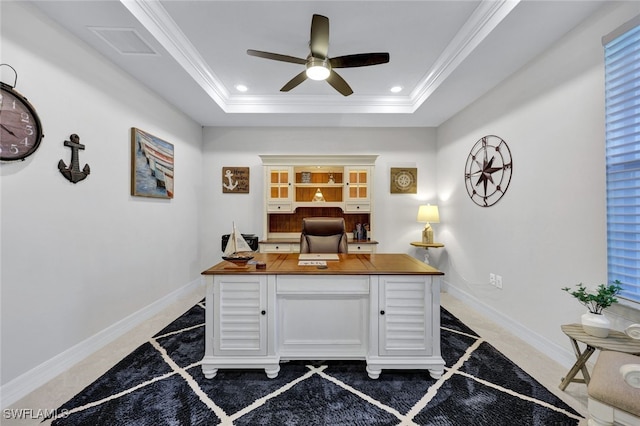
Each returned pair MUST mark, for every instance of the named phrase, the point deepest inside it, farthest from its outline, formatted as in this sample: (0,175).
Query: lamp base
(427,234)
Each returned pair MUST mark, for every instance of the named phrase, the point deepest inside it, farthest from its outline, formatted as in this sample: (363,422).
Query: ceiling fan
(318,64)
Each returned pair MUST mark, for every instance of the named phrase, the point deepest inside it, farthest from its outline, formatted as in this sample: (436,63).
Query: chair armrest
(631,374)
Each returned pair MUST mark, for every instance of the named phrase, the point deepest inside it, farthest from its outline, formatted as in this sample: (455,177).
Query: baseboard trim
(557,353)
(26,383)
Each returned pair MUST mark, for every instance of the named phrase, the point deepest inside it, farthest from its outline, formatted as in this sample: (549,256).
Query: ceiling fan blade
(339,84)
(319,42)
(294,81)
(359,60)
(276,56)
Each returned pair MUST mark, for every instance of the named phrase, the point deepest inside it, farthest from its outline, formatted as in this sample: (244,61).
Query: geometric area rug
(161,383)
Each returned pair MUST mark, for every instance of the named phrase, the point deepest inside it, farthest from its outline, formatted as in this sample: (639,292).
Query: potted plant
(594,322)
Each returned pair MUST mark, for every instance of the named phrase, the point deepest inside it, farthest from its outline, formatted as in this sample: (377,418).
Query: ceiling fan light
(318,73)
(318,69)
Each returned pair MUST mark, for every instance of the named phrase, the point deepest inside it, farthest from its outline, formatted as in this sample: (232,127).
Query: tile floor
(62,388)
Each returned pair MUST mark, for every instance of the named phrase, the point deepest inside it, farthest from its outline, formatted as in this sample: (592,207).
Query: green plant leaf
(603,297)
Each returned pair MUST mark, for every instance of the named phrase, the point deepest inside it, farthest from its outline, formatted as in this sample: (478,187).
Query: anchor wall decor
(235,180)
(73,172)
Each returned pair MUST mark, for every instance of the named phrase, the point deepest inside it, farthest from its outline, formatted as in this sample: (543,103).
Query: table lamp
(428,214)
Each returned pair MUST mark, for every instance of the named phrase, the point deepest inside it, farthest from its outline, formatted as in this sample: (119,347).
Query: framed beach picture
(151,165)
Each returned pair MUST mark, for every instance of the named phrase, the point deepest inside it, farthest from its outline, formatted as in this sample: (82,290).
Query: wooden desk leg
(580,365)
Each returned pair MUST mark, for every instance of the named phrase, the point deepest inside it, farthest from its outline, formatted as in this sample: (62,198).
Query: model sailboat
(237,250)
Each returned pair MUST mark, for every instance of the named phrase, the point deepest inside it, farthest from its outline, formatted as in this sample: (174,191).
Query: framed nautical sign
(235,180)
(151,165)
(404,180)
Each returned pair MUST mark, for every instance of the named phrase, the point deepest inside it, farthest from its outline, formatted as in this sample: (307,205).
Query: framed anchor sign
(235,180)
(487,173)
(72,172)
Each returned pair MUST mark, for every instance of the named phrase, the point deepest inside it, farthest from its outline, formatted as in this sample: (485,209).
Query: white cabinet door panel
(240,323)
(405,316)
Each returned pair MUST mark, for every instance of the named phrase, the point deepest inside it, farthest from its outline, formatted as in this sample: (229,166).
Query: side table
(616,341)
(426,247)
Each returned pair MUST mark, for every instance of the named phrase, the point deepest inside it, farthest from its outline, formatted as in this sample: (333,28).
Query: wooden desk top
(349,264)
(616,341)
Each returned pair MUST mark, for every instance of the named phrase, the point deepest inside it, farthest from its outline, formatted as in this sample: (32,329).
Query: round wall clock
(20,128)
(488,170)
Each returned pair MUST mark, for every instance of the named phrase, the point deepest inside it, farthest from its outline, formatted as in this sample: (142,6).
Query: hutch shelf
(299,186)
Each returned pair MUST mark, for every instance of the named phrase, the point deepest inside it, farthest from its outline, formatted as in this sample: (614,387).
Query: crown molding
(485,18)
(163,28)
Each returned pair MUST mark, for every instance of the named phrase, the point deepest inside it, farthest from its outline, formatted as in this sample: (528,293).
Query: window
(622,101)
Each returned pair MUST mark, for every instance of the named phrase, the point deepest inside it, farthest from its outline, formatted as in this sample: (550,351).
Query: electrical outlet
(492,279)
(499,281)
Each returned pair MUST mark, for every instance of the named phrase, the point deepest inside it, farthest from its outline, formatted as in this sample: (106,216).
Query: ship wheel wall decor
(487,173)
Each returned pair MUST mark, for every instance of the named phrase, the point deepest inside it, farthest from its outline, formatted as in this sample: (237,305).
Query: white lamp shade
(428,214)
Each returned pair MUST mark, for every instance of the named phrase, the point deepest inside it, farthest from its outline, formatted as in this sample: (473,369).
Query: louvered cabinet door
(404,317)
(240,316)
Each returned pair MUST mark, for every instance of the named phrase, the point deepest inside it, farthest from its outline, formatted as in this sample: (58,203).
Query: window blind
(622,102)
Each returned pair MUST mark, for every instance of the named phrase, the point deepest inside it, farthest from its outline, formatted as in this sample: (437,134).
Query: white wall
(77,259)
(394,222)
(549,230)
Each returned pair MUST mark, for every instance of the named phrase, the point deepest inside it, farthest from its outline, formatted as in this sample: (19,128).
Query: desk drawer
(322,284)
(276,248)
(358,207)
(279,207)
(361,248)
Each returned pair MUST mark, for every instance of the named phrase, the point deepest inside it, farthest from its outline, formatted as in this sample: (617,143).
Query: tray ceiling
(443,54)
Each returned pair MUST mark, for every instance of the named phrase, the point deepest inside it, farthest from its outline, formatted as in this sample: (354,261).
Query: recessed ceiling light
(241,88)
(396,89)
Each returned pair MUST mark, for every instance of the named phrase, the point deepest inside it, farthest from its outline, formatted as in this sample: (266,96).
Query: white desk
(382,308)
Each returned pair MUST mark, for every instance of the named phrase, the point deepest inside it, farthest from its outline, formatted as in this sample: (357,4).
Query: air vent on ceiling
(126,41)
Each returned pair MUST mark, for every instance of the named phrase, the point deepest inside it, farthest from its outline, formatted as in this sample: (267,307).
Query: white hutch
(298,186)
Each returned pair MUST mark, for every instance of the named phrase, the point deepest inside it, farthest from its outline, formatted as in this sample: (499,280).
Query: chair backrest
(323,235)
